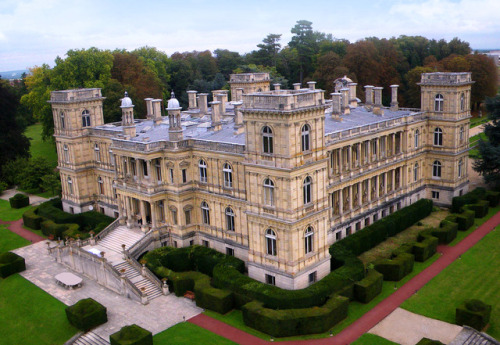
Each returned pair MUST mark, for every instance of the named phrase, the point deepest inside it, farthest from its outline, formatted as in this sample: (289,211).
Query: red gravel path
(17,228)
(375,315)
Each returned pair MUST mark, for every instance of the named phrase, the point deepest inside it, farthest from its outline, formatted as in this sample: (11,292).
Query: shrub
(424,249)
(473,313)
(446,232)
(50,228)
(464,220)
(470,198)
(480,208)
(86,314)
(427,341)
(396,268)
(3,186)
(131,335)
(283,323)
(493,198)
(19,201)
(366,289)
(31,219)
(11,263)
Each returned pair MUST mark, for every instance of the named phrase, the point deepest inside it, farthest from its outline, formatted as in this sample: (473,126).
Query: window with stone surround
(438,137)
(417,138)
(306,138)
(267,140)
(438,102)
(202,165)
(70,185)
(229,219)
(228,175)
(66,153)
(436,169)
(307,187)
(85,118)
(415,172)
(268,192)
(63,122)
(309,240)
(100,183)
(271,242)
(205,213)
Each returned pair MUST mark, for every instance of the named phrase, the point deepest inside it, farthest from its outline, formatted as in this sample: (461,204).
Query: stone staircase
(469,336)
(121,235)
(90,338)
(143,284)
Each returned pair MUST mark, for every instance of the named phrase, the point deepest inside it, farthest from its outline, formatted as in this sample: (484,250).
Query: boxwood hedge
(470,198)
(86,314)
(19,201)
(368,288)
(131,335)
(11,263)
(394,269)
(473,313)
(427,341)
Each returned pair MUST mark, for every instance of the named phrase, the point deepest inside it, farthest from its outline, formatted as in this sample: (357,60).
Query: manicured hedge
(446,232)
(464,220)
(427,341)
(290,322)
(31,219)
(480,208)
(493,197)
(11,263)
(86,314)
(131,335)
(368,288)
(473,313)
(19,201)
(470,198)
(425,248)
(396,268)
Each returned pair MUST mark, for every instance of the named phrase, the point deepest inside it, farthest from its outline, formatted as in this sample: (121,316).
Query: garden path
(34,199)
(378,313)
(17,228)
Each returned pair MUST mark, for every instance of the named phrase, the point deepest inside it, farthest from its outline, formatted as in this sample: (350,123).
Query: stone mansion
(273,177)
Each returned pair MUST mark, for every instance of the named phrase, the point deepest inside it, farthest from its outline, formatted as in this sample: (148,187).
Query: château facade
(273,177)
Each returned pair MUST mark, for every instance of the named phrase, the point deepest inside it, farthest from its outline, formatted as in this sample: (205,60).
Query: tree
(485,76)
(227,61)
(363,60)
(305,41)
(412,90)
(30,177)
(269,49)
(158,62)
(329,68)
(488,165)
(51,182)
(13,143)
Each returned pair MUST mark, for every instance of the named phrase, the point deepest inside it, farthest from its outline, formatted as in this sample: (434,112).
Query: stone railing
(248,77)
(167,145)
(446,78)
(140,246)
(283,101)
(107,230)
(145,272)
(74,95)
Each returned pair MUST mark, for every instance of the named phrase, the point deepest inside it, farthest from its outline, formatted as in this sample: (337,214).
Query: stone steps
(90,338)
(143,284)
(121,235)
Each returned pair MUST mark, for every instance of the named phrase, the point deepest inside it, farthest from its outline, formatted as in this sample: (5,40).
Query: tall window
(268,192)
(205,213)
(66,153)
(306,138)
(460,167)
(415,172)
(436,169)
(111,157)
(267,140)
(100,183)
(438,137)
(271,242)
(173,212)
(417,138)
(63,122)
(97,153)
(145,170)
(308,240)
(229,219)
(307,190)
(187,216)
(462,134)
(462,102)
(203,170)
(85,118)
(228,175)
(158,170)
(70,185)
(438,102)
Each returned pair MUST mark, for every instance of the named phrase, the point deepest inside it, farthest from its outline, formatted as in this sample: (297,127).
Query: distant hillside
(13,74)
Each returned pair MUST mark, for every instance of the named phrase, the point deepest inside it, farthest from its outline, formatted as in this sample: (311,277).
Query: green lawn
(40,148)
(372,339)
(476,121)
(475,275)
(31,316)
(188,333)
(10,240)
(9,214)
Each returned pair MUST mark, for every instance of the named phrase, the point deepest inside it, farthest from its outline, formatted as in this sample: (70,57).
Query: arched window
(438,102)
(306,138)
(462,134)
(70,185)
(436,169)
(417,138)
(228,175)
(460,167)
(205,213)
(229,219)
(100,183)
(85,118)
(63,123)
(438,137)
(307,190)
(97,153)
(203,170)
(271,242)
(268,192)
(308,240)
(415,172)
(267,140)
(66,153)
(462,102)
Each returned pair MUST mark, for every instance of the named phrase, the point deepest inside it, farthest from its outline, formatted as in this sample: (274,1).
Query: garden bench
(189,295)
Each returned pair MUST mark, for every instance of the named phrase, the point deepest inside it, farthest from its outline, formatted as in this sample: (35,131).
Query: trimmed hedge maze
(53,221)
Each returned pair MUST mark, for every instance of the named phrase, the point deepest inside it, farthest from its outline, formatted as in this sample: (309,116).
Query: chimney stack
(222,98)
(192,100)
(377,107)
(296,86)
(369,97)
(238,120)
(203,103)
(312,85)
(156,111)
(394,98)
(277,87)
(216,110)
(149,108)
(353,102)
(239,94)
(336,105)
(128,116)
(345,101)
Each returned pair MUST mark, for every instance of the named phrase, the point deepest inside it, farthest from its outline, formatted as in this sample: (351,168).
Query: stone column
(349,189)
(377,107)
(339,160)
(296,86)
(238,118)
(341,202)
(369,151)
(345,101)
(360,193)
(143,216)
(129,212)
(349,157)
(394,97)
(153,215)
(377,183)
(192,100)
(394,179)
(384,179)
(369,97)
(203,103)
(394,144)
(369,190)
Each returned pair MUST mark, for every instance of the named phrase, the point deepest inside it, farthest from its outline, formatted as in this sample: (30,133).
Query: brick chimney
(311,85)
(277,87)
(149,108)
(336,105)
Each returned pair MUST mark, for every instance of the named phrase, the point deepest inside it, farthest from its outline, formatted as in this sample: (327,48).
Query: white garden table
(68,280)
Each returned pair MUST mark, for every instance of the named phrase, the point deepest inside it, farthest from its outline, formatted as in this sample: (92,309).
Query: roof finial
(126,94)
(173,94)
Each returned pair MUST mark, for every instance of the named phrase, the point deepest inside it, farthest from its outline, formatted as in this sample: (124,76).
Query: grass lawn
(40,148)
(188,333)
(30,315)
(10,240)
(475,275)
(372,339)
(9,214)
(476,121)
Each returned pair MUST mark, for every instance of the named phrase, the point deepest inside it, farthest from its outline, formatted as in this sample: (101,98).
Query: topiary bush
(493,198)
(427,341)
(31,219)
(86,314)
(11,263)
(470,198)
(131,335)
(480,208)
(368,288)
(394,269)
(19,201)
(473,313)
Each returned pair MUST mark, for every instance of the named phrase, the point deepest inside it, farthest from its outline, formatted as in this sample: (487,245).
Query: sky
(33,32)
